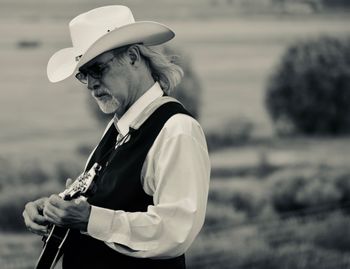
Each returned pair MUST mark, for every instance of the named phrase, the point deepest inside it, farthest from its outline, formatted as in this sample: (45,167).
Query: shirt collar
(136,109)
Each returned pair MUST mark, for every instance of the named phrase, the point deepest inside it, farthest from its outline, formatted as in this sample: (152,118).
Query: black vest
(119,187)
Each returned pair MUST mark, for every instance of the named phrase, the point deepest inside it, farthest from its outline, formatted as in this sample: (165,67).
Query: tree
(309,92)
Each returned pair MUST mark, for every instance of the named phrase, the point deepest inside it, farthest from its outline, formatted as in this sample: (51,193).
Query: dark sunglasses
(96,71)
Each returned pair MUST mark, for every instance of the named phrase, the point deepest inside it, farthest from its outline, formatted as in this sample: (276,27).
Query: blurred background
(269,80)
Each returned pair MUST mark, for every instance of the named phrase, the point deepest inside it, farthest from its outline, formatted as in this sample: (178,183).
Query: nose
(93,84)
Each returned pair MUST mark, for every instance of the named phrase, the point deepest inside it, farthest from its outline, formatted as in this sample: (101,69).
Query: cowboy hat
(100,30)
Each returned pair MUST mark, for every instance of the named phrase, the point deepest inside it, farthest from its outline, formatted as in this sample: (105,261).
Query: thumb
(69,181)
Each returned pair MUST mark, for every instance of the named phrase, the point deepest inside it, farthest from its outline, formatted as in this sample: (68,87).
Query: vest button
(107,163)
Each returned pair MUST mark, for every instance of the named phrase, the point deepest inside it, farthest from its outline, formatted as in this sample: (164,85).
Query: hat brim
(65,62)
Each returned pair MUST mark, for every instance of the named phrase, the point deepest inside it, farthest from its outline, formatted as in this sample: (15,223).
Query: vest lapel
(110,131)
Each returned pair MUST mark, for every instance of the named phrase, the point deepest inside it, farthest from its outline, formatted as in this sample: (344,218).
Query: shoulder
(182,124)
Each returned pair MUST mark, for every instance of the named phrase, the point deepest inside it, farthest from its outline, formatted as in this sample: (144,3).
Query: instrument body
(53,244)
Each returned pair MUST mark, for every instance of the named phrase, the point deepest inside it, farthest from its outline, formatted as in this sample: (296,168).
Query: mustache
(98,93)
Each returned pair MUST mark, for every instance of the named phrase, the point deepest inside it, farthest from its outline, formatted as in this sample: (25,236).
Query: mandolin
(52,251)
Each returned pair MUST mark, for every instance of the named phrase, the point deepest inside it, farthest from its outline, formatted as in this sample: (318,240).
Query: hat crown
(88,27)
(100,30)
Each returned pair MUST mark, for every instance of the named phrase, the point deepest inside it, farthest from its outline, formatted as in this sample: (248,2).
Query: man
(152,191)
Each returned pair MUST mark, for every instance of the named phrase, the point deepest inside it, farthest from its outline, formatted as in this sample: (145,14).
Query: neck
(142,84)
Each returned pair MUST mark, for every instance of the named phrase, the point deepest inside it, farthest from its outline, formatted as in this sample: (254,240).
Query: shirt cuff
(100,223)
(112,227)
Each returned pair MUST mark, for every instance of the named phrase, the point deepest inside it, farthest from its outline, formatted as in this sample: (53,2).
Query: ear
(134,55)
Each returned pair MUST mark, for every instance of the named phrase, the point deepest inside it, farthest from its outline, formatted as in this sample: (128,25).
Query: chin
(107,110)
(107,107)
(110,107)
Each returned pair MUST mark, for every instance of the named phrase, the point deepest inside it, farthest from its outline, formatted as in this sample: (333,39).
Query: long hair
(162,68)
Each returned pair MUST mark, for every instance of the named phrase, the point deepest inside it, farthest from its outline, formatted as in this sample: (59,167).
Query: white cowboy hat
(100,30)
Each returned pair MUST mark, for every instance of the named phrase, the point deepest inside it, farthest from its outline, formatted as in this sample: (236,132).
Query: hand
(33,217)
(70,214)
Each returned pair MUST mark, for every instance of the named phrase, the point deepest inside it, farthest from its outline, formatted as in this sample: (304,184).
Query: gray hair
(162,67)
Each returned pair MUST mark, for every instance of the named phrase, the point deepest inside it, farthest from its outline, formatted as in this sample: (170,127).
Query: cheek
(118,88)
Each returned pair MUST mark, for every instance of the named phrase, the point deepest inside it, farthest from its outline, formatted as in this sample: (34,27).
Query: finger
(32,210)
(35,216)
(53,214)
(33,227)
(39,204)
(51,211)
(25,217)
(41,232)
(79,199)
(57,201)
(39,219)
(38,229)
(69,182)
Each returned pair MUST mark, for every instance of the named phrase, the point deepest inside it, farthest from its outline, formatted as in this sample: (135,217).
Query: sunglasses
(96,71)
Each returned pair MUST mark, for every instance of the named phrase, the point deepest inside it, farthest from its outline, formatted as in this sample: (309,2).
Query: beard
(109,105)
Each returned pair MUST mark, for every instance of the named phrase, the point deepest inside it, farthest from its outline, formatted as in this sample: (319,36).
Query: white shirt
(176,173)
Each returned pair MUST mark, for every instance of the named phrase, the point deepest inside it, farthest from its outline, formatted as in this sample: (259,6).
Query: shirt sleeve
(176,173)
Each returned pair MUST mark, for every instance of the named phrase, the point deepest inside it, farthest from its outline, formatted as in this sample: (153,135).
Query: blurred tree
(309,188)
(188,92)
(309,93)
(336,3)
(315,5)
(296,5)
(233,131)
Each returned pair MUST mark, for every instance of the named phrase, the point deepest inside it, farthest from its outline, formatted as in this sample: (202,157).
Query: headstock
(82,185)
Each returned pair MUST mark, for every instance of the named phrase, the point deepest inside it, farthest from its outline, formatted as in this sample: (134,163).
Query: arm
(176,174)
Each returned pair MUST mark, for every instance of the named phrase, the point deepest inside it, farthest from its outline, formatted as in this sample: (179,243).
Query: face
(110,83)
